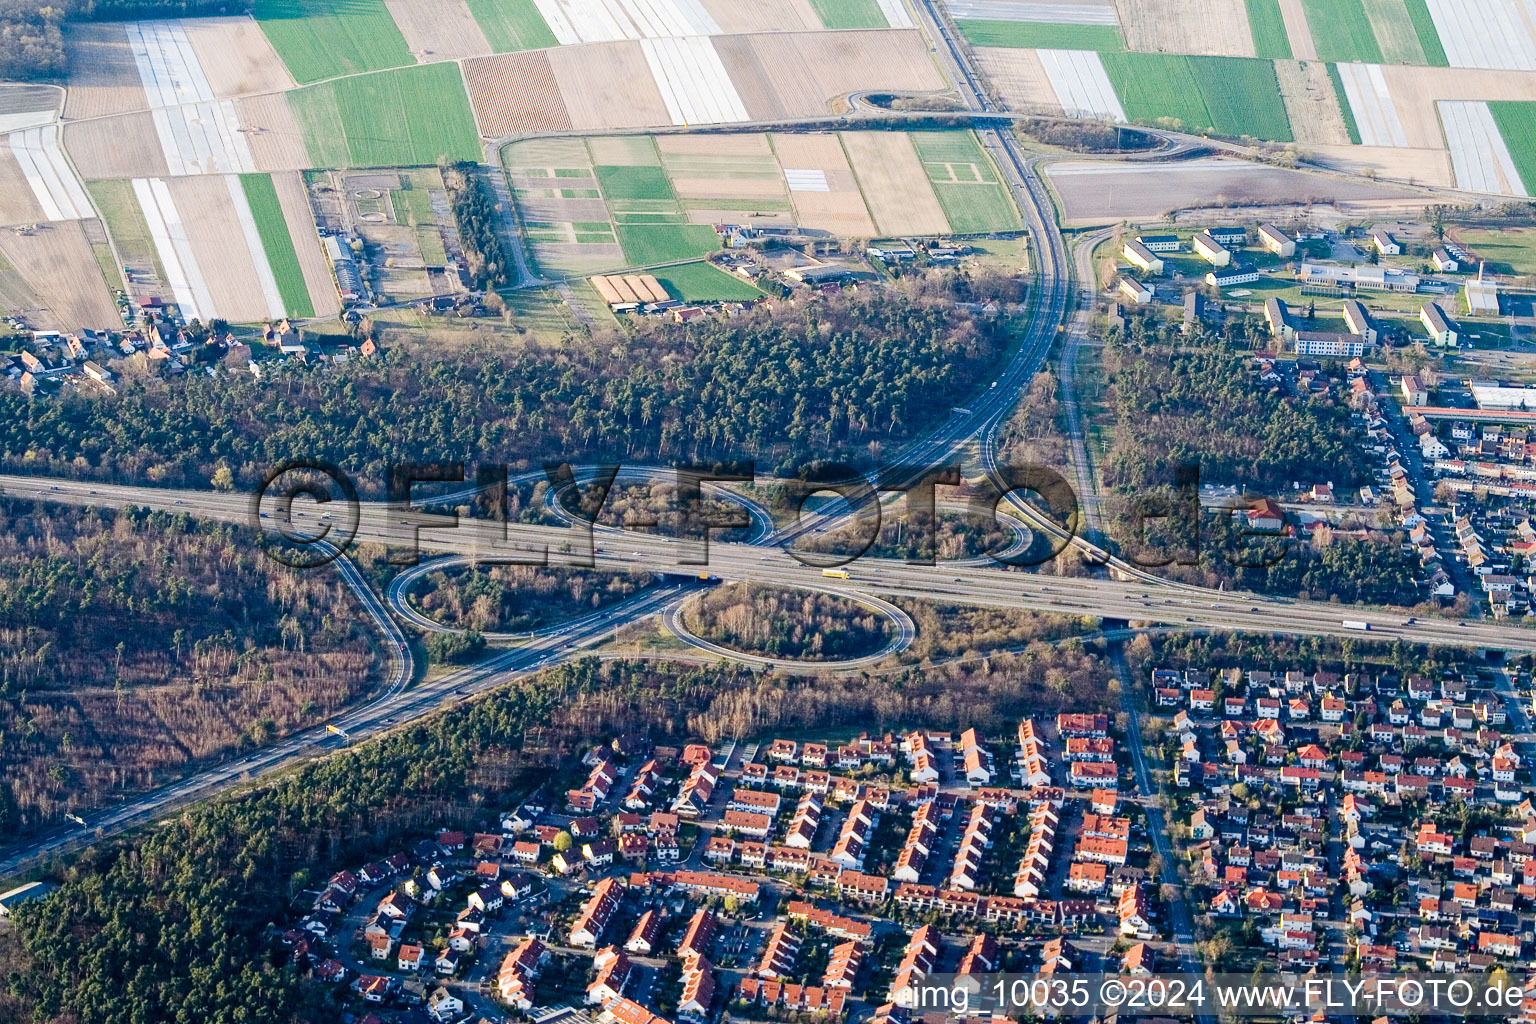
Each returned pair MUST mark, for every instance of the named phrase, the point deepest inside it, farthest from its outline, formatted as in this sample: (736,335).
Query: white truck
(1356,624)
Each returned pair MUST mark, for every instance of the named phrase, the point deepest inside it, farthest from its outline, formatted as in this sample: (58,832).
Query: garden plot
(514,93)
(693,82)
(1486,33)
(782,75)
(1081,84)
(601,21)
(819,160)
(608,85)
(103,78)
(896,187)
(561,208)
(1214,27)
(57,264)
(734,16)
(438,29)
(1479,154)
(1370,101)
(1019,78)
(395,249)
(236,56)
(199,133)
(731,178)
(48,174)
(1310,102)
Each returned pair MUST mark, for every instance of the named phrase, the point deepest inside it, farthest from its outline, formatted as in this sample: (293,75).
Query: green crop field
(1429,36)
(403,118)
(976,209)
(701,282)
(1226,95)
(512,25)
(278,243)
(1043,35)
(1343,99)
(951,147)
(417,206)
(645,244)
(965,183)
(624,182)
(1517,123)
(849,13)
(324,38)
(1341,31)
(125,221)
(1267,26)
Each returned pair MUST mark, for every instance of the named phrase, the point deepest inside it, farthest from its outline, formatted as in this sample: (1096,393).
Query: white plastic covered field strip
(1486,33)
(49,175)
(1081,84)
(561,26)
(896,13)
(693,81)
(806,180)
(1365,87)
(1478,152)
(26,119)
(602,21)
(198,133)
(264,275)
(174,248)
(1028,10)
(168,66)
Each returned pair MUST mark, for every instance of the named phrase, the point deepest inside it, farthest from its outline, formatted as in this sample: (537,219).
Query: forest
(783,623)
(1197,399)
(172,924)
(518,598)
(225,649)
(32,37)
(836,375)
(474,212)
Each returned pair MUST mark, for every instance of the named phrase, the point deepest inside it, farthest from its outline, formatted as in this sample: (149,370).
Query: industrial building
(1212,251)
(11,898)
(1495,396)
(1442,329)
(1277,241)
(1482,295)
(1139,255)
(625,292)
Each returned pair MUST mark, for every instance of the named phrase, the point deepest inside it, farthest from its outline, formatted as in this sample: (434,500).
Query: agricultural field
(1040,34)
(1342,31)
(54,265)
(1228,95)
(702,282)
(401,118)
(1429,36)
(1517,125)
(319,39)
(1217,28)
(1267,24)
(1311,102)
(261,194)
(849,13)
(511,25)
(974,200)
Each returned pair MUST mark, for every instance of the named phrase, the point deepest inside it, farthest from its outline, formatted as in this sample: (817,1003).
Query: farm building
(1277,241)
(821,273)
(1445,262)
(349,279)
(1329,343)
(1229,236)
(1493,396)
(1140,256)
(1278,318)
(1212,251)
(1135,291)
(1160,243)
(1442,329)
(1359,321)
(1482,295)
(1385,243)
(1235,274)
(629,291)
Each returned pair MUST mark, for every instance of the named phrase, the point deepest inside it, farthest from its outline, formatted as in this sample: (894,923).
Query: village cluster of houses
(1278,765)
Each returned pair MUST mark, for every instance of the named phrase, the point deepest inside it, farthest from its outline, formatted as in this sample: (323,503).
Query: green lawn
(973,201)
(1045,35)
(408,117)
(701,282)
(1227,95)
(1341,31)
(430,241)
(417,204)
(325,38)
(629,182)
(1343,98)
(952,147)
(512,25)
(278,243)
(1507,250)
(976,209)
(645,244)
(125,221)
(1517,123)
(1429,36)
(1267,25)
(849,13)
